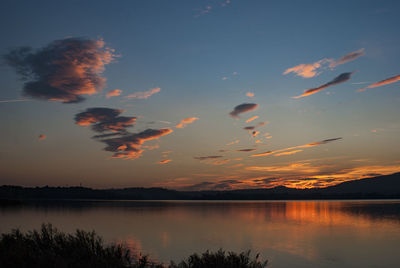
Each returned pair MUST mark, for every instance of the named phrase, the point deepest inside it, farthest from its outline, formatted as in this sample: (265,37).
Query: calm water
(287,233)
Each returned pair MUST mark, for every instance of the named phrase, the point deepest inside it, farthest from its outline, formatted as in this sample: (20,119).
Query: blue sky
(205,56)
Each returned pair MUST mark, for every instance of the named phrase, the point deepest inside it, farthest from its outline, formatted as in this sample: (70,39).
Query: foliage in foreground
(52,248)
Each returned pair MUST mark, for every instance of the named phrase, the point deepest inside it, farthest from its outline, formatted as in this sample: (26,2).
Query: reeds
(49,247)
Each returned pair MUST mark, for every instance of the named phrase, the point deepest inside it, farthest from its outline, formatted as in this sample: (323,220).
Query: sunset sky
(198,94)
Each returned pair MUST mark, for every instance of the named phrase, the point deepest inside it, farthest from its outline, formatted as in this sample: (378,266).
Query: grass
(49,247)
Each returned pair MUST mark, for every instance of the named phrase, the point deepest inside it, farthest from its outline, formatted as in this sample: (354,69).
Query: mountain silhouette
(385,187)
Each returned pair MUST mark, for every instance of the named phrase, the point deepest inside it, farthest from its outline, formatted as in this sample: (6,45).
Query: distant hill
(385,187)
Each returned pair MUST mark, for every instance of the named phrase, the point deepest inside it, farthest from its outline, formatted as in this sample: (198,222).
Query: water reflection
(288,233)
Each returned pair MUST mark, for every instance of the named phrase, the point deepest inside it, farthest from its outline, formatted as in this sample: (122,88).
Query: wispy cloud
(62,71)
(203,11)
(382,83)
(221,162)
(233,142)
(348,57)
(295,147)
(225,3)
(207,9)
(337,80)
(113,93)
(165,122)
(14,100)
(143,94)
(243,108)
(207,157)
(309,70)
(186,121)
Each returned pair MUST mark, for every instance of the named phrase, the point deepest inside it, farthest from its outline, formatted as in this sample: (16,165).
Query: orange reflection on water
(288,233)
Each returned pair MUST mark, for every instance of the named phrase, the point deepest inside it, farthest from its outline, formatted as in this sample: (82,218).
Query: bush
(220,259)
(51,248)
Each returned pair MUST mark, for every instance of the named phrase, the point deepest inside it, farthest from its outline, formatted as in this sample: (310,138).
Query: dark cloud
(118,140)
(104,119)
(129,146)
(208,157)
(246,150)
(339,79)
(243,108)
(63,70)
(106,135)
(256,126)
(323,142)
(117,124)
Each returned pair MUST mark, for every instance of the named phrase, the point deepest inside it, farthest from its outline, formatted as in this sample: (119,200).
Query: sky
(198,95)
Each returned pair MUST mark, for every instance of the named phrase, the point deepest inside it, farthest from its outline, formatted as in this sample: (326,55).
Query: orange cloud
(112,93)
(337,80)
(42,137)
(221,162)
(263,154)
(165,161)
(288,153)
(252,119)
(306,70)
(143,94)
(186,121)
(250,94)
(63,70)
(299,167)
(302,174)
(313,69)
(382,83)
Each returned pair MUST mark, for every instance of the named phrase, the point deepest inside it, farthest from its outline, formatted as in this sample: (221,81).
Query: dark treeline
(381,187)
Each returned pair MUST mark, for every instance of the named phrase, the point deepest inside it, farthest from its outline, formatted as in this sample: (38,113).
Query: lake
(287,233)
